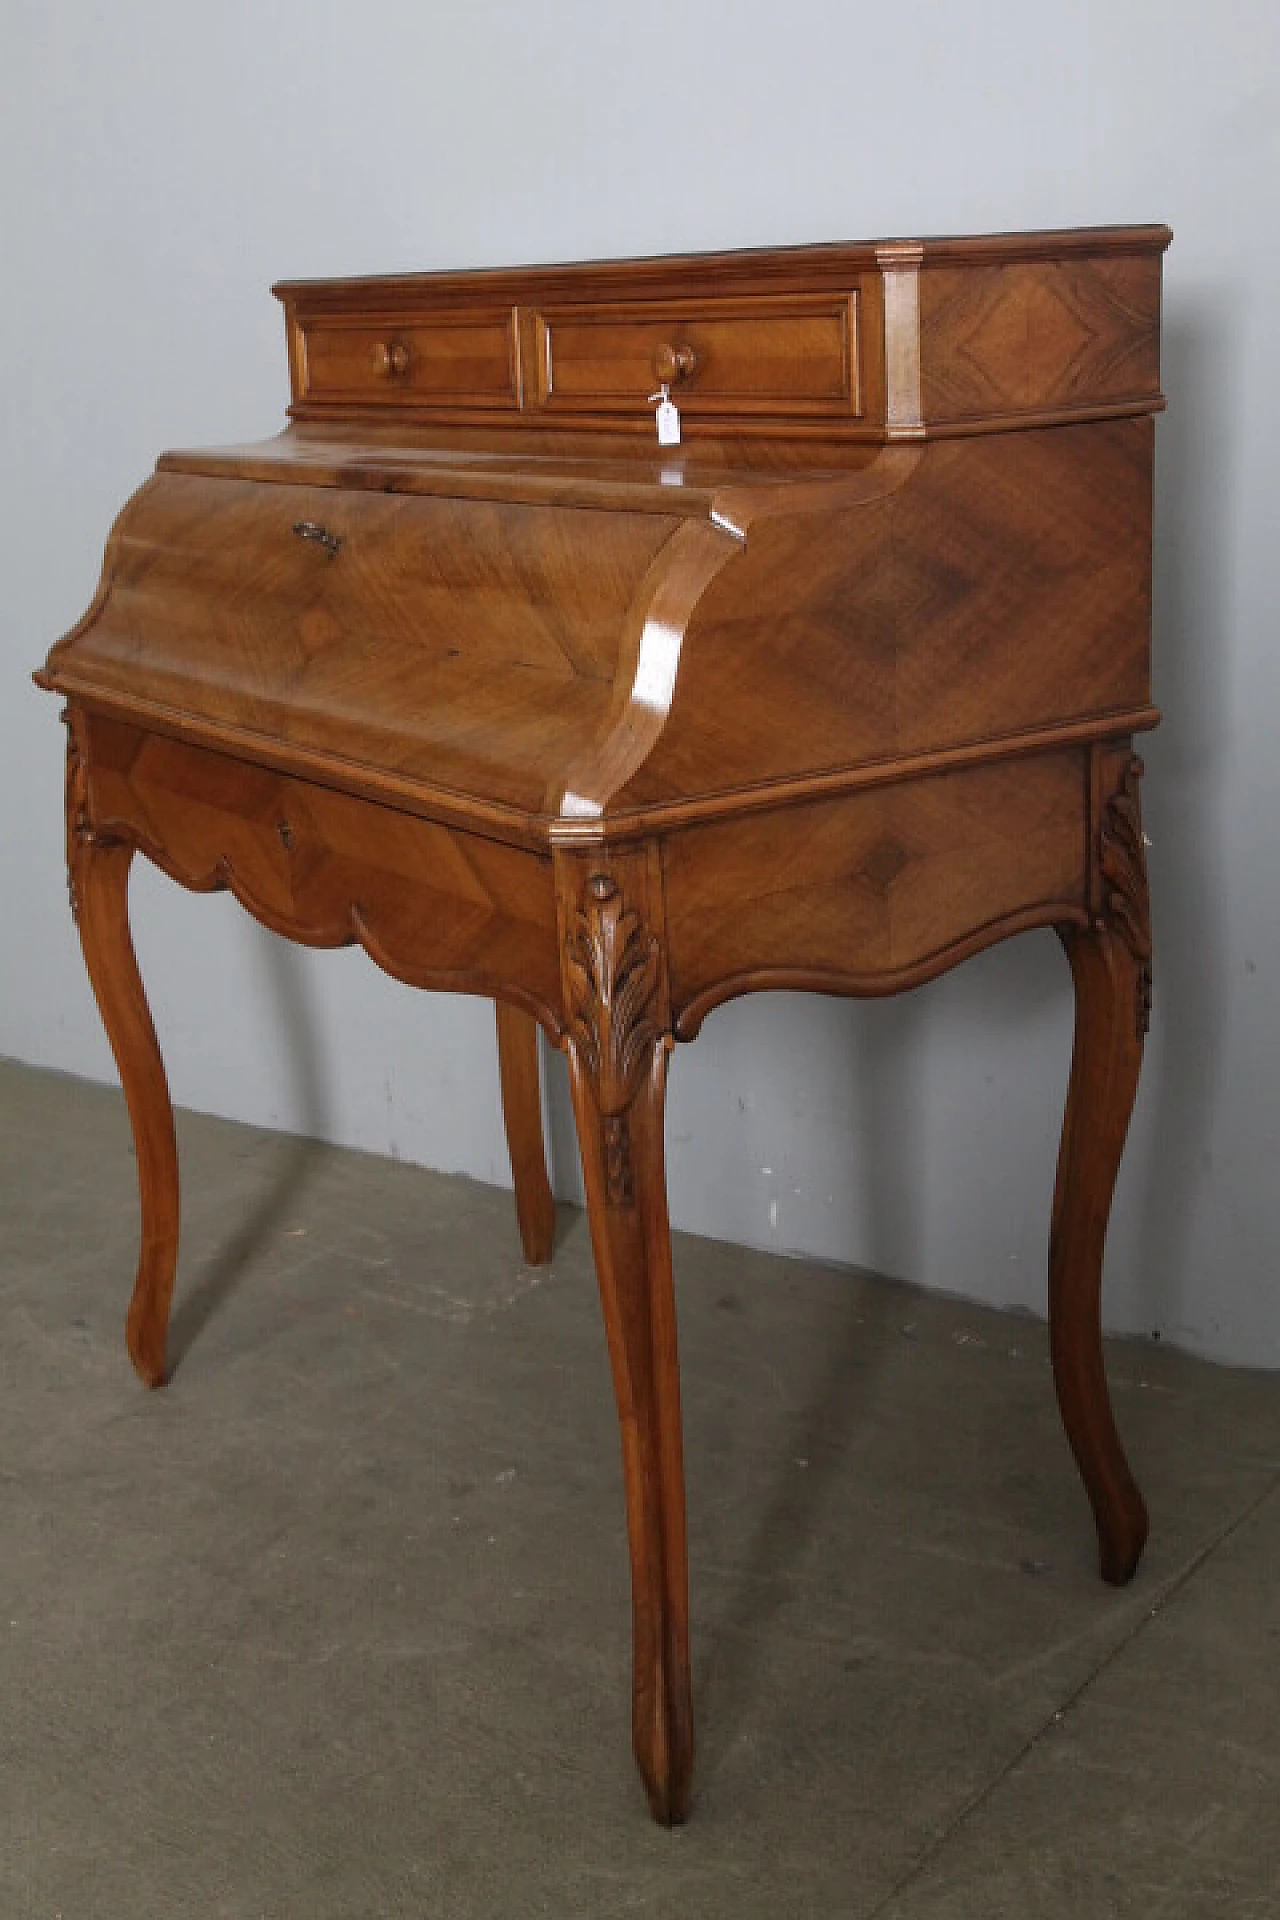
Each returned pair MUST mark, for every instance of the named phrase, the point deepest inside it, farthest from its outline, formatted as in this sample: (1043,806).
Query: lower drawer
(433,905)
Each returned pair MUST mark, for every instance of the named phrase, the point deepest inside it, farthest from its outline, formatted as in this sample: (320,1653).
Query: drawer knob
(673,362)
(391,359)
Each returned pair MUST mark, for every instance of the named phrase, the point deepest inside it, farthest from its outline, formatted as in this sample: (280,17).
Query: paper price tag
(667,418)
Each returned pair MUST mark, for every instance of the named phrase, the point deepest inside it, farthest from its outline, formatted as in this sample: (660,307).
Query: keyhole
(286,833)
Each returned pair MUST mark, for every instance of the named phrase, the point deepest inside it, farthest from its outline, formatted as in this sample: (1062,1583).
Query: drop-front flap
(455,643)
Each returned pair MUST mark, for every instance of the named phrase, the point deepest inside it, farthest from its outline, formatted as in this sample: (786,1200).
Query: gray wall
(164,162)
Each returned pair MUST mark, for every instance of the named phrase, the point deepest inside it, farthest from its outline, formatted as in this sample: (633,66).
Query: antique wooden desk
(468,668)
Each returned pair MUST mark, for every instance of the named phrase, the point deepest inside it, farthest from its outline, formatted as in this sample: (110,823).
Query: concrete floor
(337,1624)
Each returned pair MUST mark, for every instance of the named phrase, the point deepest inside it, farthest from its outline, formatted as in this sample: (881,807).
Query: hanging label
(667,417)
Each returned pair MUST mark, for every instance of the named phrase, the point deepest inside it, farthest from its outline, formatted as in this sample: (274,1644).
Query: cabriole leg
(1111,969)
(617,1046)
(522,1118)
(98,870)
(632,1244)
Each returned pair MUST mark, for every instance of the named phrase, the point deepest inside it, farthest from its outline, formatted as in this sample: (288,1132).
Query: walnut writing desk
(837,690)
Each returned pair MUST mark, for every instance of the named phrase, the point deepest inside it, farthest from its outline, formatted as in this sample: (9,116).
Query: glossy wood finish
(466,669)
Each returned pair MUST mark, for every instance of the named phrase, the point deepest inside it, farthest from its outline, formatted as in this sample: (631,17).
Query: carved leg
(522,1117)
(1110,965)
(632,1244)
(99,875)
(617,1057)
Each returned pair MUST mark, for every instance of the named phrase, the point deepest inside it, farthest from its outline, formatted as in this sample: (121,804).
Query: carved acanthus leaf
(613,970)
(1123,863)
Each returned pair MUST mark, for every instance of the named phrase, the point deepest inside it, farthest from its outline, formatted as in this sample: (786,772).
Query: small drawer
(453,359)
(792,355)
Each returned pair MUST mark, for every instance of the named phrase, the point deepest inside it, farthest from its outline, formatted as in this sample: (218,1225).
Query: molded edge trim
(651,276)
(543,831)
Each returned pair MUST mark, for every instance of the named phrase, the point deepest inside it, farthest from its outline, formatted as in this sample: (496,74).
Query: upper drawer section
(771,355)
(461,358)
(891,340)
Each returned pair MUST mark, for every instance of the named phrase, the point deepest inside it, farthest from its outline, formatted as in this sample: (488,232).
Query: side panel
(1043,336)
(875,890)
(1004,588)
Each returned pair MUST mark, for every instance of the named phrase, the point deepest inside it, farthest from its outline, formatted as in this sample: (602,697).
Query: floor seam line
(983,1794)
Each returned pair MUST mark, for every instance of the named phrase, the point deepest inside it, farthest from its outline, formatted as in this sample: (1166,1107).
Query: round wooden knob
(391,357)
(673,362)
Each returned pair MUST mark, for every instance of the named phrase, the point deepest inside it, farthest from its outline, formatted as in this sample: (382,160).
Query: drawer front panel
(457,359)
(431,904)
(782,356)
